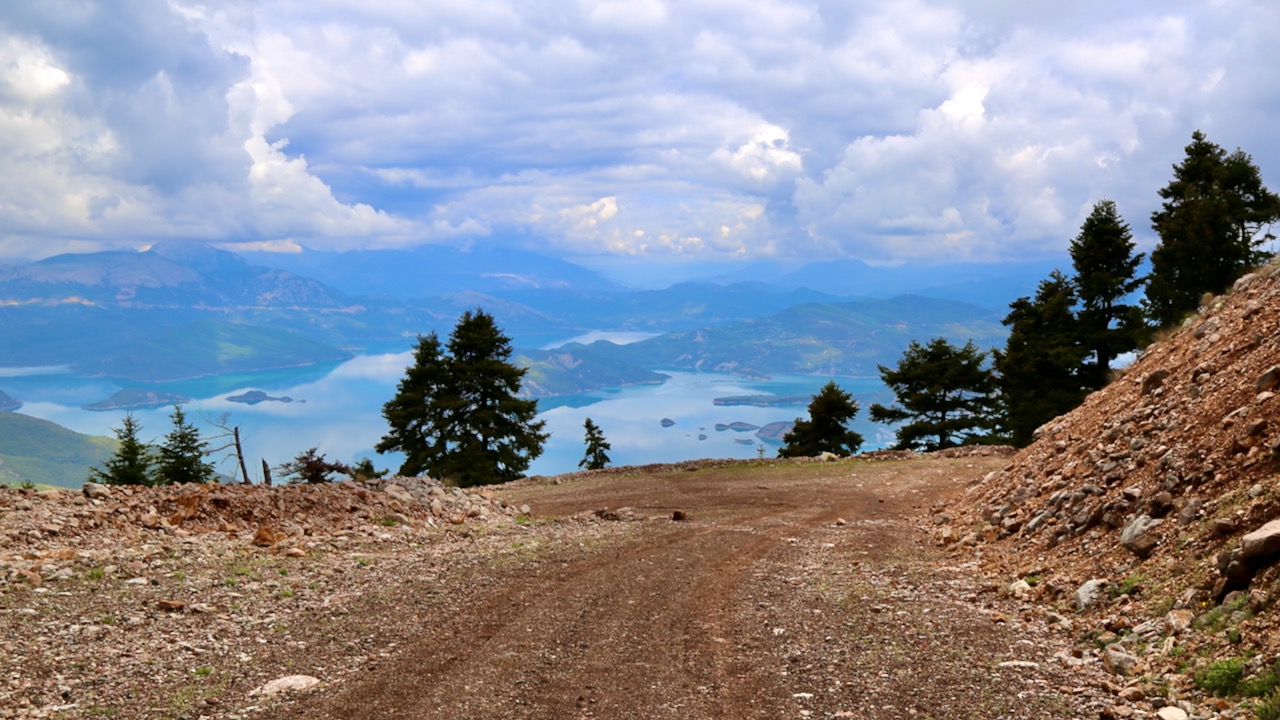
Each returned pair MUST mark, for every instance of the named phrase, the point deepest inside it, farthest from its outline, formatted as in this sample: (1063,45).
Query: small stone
(264,537)
(97,491)
(1020,589)
(1090,593)
(171,605)
(1224,526)
(1132,694)
(1176,621)
(1171,712)
(1118,660)
(288,683)
(398,493)
(1268,380)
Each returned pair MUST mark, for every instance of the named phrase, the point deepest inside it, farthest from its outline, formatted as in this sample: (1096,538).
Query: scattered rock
(288,683)
(97,491)
(1154,380)
(1118,660)
(1090,593)
(1261,543)
(1138,538)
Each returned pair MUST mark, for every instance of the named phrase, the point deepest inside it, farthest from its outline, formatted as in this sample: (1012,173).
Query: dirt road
(789,591)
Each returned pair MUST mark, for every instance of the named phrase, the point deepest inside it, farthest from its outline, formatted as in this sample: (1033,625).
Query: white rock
(1089,593)
(288,683)
(1170,712)
(1020,589)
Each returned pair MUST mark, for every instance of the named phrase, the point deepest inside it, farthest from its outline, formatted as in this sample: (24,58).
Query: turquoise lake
(338,409)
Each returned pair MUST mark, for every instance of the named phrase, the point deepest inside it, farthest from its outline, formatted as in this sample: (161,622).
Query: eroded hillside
(1147,508)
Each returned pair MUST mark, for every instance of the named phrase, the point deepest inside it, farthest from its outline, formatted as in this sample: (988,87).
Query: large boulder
(1137,537)
(1261,543)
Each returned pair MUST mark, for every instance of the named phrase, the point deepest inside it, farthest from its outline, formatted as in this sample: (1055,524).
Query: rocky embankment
(151,598)
(1143,521)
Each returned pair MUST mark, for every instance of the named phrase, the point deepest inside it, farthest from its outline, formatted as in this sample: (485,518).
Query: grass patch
(1128,586)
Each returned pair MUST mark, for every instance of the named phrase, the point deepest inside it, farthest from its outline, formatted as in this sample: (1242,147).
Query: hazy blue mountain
(990,285)
(682,306)
(576,368)
(212,347)
(9,403)
(434,270)
(182,310)
(118,312)
(849,338)
(186,275)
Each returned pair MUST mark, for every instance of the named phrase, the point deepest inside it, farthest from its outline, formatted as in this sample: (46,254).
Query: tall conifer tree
(1041,367)
(1106,272)
(182,454)
(827,429)
(457,415)
(132,461)
(597,453)
(1211,225)
(946,396)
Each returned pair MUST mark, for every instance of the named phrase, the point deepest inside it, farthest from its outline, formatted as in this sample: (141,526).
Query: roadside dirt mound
(1158,486)
(40,519)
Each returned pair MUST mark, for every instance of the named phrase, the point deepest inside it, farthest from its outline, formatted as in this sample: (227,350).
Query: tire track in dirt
(760,606)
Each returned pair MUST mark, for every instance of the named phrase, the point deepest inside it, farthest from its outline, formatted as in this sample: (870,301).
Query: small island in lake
(763,400)
(253,397)
(775,431)
(667,422)
(136,399)
(736,427)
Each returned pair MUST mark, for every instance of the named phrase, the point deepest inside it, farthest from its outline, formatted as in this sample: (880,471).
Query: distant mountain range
(848,339)
(183,310)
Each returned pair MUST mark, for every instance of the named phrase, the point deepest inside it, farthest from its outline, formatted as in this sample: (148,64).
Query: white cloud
(888,129)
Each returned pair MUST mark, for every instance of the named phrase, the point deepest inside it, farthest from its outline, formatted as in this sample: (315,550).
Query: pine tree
(596,456)
(1211,227)
(827,429)
(457,415)
(418,413)
(181,455)
(1106,272)
(132,461)
(945,396)
(1042,366)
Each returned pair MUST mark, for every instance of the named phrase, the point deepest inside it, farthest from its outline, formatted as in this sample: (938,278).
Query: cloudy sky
(885,130)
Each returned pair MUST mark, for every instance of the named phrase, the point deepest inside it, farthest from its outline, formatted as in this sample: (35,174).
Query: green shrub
(1221,677)
(1264,684)
(1268,709)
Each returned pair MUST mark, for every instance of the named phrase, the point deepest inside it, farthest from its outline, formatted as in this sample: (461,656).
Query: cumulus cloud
(887,130)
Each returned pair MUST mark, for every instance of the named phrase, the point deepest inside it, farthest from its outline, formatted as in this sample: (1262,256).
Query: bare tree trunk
(244,470)
(266,473)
